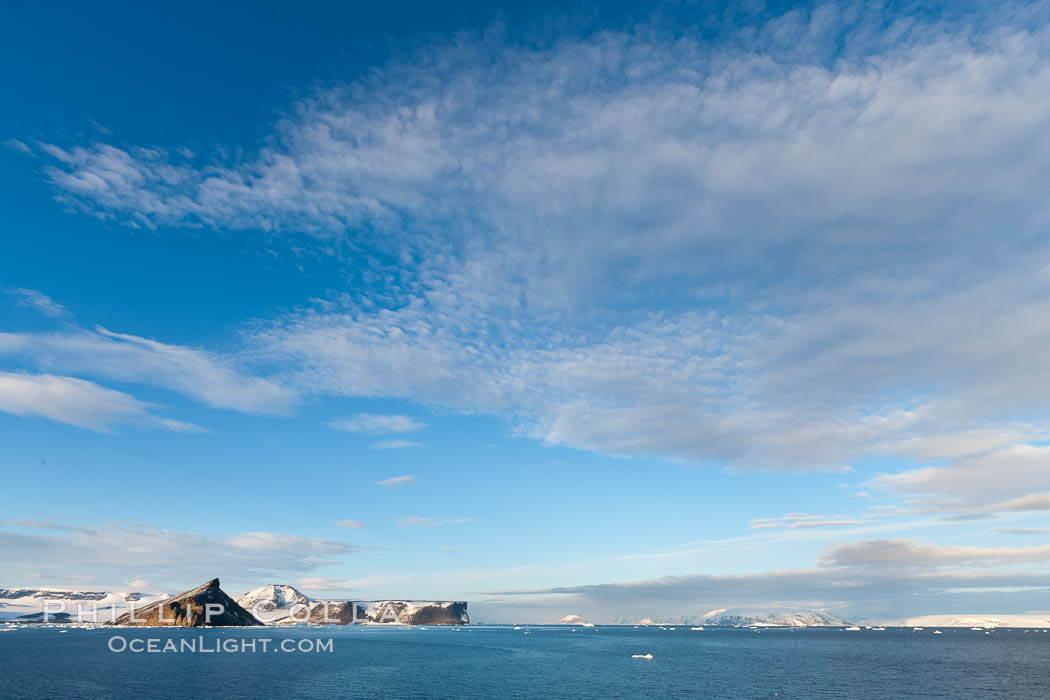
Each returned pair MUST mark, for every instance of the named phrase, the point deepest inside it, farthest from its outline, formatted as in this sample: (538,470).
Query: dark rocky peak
(206,605)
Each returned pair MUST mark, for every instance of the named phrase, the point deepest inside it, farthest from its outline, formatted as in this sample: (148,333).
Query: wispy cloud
(397,481)
(984,483)
(376,423)
(16,145)
(274,542)
(394,445)
(324,583)
(909,553)
(206,376)
(39,301)
(46,525)
(349,523)
(111,553)
(1031,501)
(79,402)
(793,521)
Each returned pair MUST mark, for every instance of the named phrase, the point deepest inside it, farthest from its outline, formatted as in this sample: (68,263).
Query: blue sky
(614,310)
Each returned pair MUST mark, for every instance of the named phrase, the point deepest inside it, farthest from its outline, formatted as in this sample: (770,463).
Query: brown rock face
(204,606)
(454,614)
(417,613)
(331,612)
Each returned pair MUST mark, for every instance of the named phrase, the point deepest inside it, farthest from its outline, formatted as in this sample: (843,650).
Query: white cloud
(813,198)
(394,445)
(33,299)
(909,553)
(16,145)
(349,523)
(45,525)
(270,541)
(1031,501)
(78,402)
(986,482)
(397,481)
(179,426)
(205,376)
(963,443)
(794,521)
(416,521)
(816,172)
(172,560)
(376,423)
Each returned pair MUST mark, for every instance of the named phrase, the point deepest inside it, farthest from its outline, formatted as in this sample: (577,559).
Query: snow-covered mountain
(790,618)
(79,606)
(278,604)
(418,612)
(272,596)
(725,617)
(60,594)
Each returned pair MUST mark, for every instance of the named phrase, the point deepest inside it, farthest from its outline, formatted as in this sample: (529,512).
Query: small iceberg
(916,629)
(937,632)
(853,629)
(697,629)
(641,656)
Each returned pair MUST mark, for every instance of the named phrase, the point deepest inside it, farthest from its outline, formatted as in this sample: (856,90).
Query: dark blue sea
(500,662)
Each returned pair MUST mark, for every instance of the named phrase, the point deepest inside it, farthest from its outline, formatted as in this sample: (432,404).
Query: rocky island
(204,606)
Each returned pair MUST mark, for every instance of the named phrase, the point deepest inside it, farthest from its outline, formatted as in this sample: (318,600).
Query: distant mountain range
(281,604)
(749,618)
(208,605)
(801,618)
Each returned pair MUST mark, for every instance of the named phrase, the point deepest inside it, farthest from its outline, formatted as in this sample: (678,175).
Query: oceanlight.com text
(204,645)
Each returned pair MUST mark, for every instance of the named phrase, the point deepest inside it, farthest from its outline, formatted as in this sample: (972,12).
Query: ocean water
(500,662)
